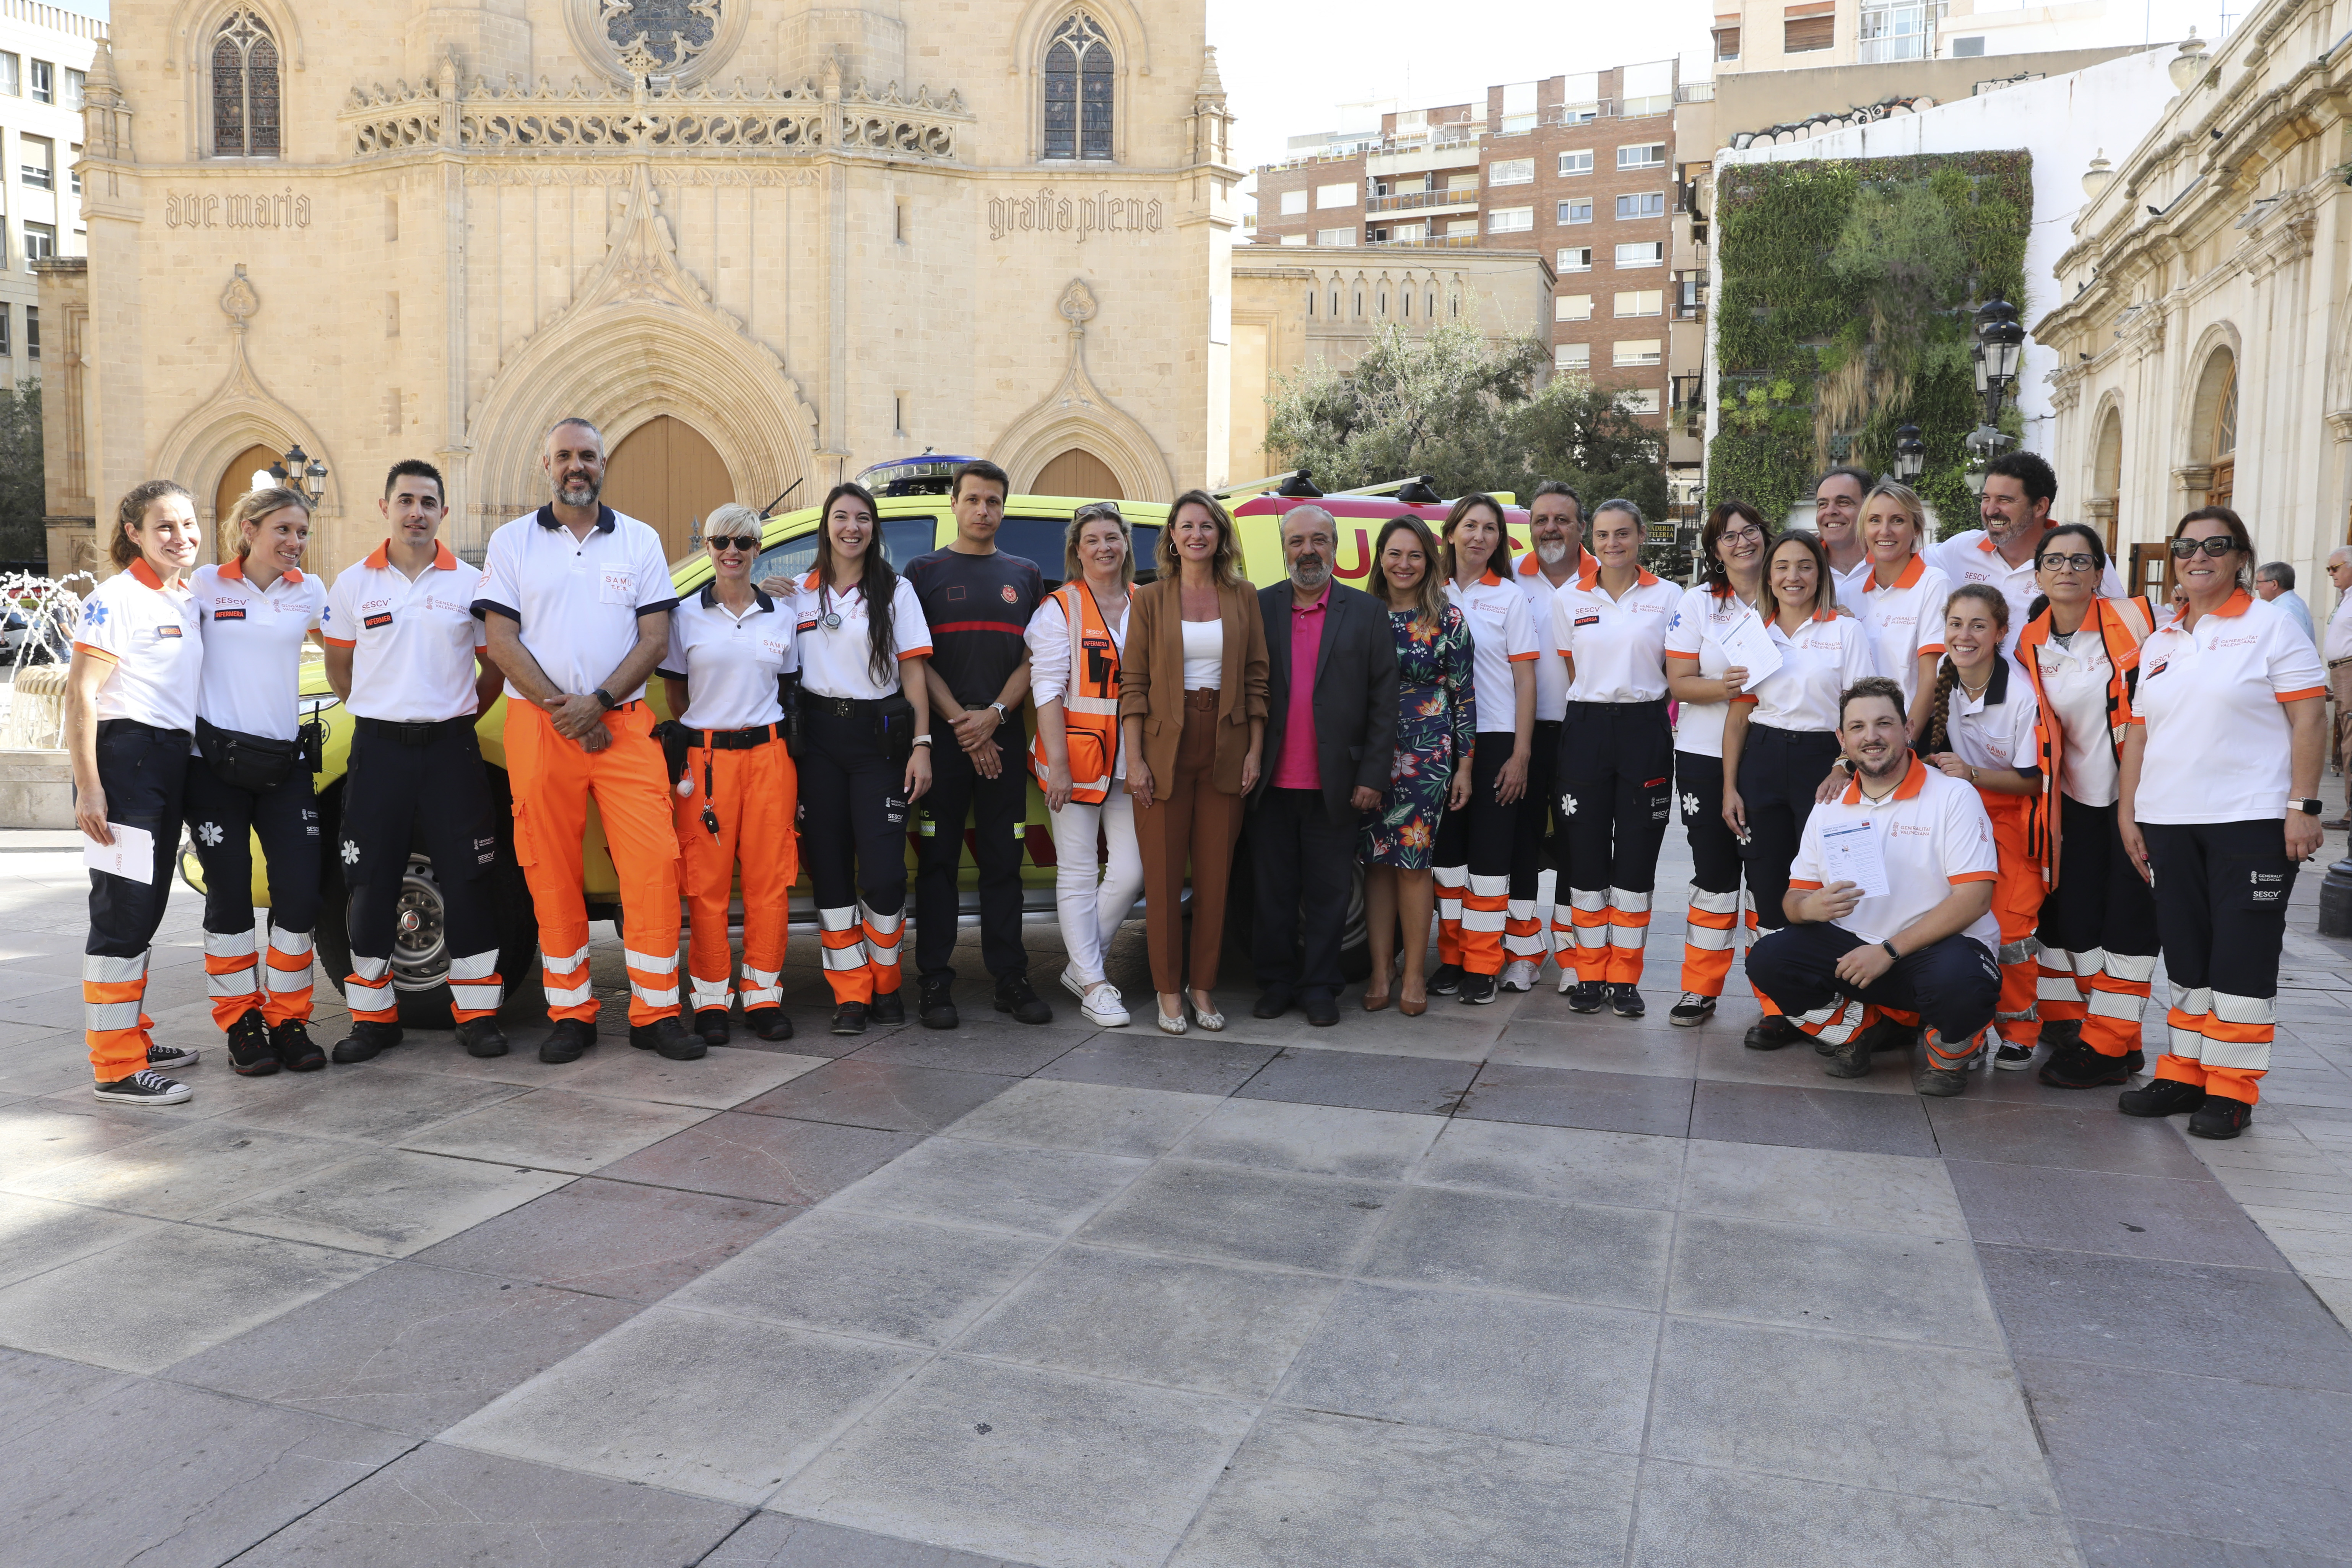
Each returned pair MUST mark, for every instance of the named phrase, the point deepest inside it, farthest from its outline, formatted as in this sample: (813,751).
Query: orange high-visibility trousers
(552,779)
(753,795)
(2017,905)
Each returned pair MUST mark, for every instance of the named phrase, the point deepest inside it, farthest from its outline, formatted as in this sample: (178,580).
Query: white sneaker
(1104,1006)
(1073,982)
(1520,975)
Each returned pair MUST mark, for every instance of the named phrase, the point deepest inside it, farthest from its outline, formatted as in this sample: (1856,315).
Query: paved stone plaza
(1494,1286)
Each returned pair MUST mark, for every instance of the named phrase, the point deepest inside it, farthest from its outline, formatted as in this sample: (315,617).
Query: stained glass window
(1078,91)
(671,30)
(245,89)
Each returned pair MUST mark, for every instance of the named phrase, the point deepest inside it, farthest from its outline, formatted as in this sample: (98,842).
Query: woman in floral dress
(1436,722)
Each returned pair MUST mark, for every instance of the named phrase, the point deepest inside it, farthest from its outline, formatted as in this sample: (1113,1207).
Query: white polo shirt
(1693,633)
(1934,835)
(1616,648)
(1502,634)
(1995,731)
(1850,583)
(2339,631)
(2074,678)
(835,661)
(412,643)
(1970,557)
(2218,745)
(1904,620)
(1551,669)
(729,663)
(576,600)
(153,639)
(1817,665)
(253,647)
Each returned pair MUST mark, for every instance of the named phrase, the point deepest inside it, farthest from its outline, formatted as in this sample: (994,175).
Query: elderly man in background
(2337,651)
(2274,581)
(1332,714)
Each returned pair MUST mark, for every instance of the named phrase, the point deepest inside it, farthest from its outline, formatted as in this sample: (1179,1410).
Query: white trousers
(1091,897)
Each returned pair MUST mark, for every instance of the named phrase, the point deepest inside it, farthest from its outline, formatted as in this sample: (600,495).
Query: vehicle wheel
(420,958)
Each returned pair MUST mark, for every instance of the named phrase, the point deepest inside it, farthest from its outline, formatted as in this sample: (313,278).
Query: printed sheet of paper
(131,855)
(1746,644)
(1850,853)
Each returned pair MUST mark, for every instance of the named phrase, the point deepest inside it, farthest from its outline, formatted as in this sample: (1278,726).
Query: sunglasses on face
(725,541)
(2068,563)
(2219,545)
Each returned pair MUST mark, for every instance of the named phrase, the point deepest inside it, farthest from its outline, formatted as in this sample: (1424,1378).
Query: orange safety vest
(1090,702)
(2124,624)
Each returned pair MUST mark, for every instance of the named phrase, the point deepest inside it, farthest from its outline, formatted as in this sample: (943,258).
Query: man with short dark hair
(1837,519)
(978,601)
(1923,942)
(2015,508)
(2275,583)
(409,660)
(1330,743)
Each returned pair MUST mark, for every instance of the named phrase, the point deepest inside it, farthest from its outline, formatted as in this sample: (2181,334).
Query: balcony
(1422,201)
(1433,242)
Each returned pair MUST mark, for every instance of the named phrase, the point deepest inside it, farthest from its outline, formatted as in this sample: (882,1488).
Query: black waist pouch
(252,762)
(893,726)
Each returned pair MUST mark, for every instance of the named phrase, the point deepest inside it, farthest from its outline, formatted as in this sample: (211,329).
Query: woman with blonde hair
(131,718)
(1437,725)
(251,778)
(1900,600)
(730,648)
(1192,704)
(1076,642)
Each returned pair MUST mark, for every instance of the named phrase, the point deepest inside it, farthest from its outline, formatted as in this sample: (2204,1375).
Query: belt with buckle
(728,739)
(839,707)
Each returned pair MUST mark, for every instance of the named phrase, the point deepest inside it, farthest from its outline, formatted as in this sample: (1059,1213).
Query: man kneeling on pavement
(1854,967)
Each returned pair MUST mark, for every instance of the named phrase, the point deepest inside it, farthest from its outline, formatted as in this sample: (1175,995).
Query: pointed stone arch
(1079,414)
(640,340)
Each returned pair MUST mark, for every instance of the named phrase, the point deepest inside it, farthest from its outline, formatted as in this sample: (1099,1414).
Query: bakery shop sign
(1052,212)
(237,209)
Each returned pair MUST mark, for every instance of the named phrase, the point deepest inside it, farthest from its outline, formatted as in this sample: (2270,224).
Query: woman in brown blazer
(1192,704)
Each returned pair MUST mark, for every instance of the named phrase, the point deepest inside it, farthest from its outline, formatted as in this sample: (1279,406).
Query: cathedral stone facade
(761,243)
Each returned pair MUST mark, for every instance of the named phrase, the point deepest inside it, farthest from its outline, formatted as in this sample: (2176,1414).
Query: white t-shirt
(730,665)
(576,600)
(1995,731)
(2339,630)
(1204,653)
(1617,647)
(153,639)
(253,647)
(1693,633)
(1904,620)
(1934,835)
(2074,679)
(1502,634)
(1048,638)
(1551,669)
(2218,745)
(1970,557)
(413,642)
(1817,665)
(835,661)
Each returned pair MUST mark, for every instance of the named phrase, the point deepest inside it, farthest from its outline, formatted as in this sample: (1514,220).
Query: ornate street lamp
(297,467)
(1910,454)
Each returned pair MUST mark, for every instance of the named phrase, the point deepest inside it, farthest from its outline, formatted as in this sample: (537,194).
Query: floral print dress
(1437,720)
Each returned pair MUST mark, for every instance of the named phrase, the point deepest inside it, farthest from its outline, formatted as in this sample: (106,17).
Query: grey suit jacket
(1355,694)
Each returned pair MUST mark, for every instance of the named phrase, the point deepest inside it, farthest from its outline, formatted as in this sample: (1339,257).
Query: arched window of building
(245,87)
(1078,89)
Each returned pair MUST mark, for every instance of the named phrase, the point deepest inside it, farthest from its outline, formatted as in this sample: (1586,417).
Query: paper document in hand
(1749,646)
(1850,853)
(131,855)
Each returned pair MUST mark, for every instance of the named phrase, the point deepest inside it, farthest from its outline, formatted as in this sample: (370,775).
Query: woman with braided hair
(1981,728)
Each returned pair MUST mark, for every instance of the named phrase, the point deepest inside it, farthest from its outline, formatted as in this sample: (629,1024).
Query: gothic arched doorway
(244,470)
(665,474)
(1078,472)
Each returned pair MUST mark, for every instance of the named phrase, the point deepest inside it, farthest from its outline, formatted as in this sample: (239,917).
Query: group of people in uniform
(1971,789)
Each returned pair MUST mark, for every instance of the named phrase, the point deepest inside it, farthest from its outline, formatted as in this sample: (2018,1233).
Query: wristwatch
(922,740)
(1889,946)
(2310,807)
(1001,716)
(606,698)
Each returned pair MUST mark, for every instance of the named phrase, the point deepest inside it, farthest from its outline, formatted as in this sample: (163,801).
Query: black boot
(2220,1117)
(711,1023)
(568,1041)
(296,1051)
(668,1037)
(1771,1032)
(2160,1096)
(248,1047)
(1015,995)
(365,1040)
(935,1007)
(482,1037)
(769,1023)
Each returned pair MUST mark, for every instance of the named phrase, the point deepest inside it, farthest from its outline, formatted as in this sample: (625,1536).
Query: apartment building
(45,55)
(1775,35)
(1577,168)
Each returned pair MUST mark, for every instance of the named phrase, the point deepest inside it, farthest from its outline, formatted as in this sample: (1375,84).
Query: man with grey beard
(1331,711)
(1555,557)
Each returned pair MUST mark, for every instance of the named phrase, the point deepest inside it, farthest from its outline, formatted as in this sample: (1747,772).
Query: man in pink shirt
(1331,692)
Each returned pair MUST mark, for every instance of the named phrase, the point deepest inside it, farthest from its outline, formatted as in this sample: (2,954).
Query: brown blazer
(1151,679)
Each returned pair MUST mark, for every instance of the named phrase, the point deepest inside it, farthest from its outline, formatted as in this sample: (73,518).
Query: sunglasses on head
(1100,509)
(731,541)
(2217,545)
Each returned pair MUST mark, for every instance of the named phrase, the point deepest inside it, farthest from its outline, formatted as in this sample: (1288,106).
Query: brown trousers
(2339,686)
(1189,819)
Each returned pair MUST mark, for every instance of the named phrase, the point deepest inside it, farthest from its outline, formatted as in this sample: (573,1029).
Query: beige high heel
(1169,1025)
(1208,1018)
